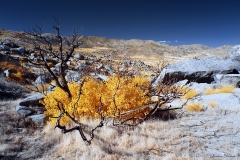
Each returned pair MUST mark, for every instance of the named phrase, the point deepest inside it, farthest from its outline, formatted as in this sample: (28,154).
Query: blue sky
(210,22)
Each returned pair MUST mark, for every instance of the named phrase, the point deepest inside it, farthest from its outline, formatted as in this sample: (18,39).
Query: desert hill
(151,46)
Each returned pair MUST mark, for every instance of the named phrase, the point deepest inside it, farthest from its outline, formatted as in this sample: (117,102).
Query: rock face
(73,76)
(38,120)
(32,110)
(24,111)
(3,48)
(196,70)
(42,79)
(79,56)
(227,79)
(32,100)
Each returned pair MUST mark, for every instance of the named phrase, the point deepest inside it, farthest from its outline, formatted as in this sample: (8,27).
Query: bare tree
(45,48)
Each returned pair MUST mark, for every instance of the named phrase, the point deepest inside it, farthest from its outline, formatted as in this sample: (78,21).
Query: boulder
(38,120)
(227,79)
(81,66)
(99,76)
(109,69)
(79,56)
(73,76)
(52,86)
(100,66)
(32,100)
(10,44)
(3,48)
(42,79)
(21,50)
(200,87)
(181,83)
(24,111)
(197,70)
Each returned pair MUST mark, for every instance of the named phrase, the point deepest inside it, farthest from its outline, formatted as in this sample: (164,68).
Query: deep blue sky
(210,22)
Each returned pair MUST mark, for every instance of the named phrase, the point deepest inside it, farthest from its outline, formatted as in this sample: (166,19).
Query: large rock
(197,70)
(38,120)
(109,69)
(42,79)
(32,100)
(10,44)
(79,56)
(21,50)
(3,48)
(227,79)
(99,76)
(73,76)
(24,110)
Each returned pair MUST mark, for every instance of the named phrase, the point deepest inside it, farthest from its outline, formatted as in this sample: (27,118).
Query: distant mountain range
(134,45)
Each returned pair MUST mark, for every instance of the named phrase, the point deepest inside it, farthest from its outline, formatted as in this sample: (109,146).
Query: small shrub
(116,95)
(222,89)
(20,71)
(190,94)
(194,107)
(212,104)
(18,77)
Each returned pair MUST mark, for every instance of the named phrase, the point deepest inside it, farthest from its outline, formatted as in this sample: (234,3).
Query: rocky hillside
(145,47)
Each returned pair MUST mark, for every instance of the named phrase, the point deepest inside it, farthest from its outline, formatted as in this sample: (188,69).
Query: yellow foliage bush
(212,104)
(126,93)
(190,93)
(194,107)
(20,70)
(18,77)
(222,89)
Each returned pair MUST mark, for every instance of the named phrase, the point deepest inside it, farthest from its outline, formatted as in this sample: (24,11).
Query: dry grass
(194,107)
(222,89)
(86,50)
(151,140)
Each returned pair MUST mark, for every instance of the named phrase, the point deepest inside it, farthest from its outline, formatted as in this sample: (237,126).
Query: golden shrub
(18,77)
(194,107)
(20,70)
(212,104)
(116,95)
(222,89)
(190,94)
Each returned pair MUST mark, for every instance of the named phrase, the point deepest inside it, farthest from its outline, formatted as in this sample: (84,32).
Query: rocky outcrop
(227,79)
(79,56)
(38,120)
(73,76)
(24,111)
(31,110)
(197,70)
(32,100)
